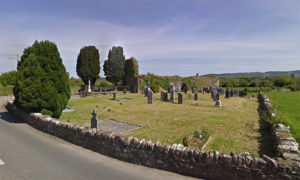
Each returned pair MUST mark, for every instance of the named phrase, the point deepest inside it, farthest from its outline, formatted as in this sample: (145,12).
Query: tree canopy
(114,65)
(131,70)
(88,64)
(42,83)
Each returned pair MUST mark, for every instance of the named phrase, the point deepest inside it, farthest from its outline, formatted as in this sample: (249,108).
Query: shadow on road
(9,118)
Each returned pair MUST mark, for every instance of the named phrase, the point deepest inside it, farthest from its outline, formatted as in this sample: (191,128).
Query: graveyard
(232,127)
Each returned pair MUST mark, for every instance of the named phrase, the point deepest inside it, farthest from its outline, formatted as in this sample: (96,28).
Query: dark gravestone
(162,95)
(166,97)
(114,96)
(145,90)
(150,96)
(185,90)
(195,96)
(172,93)
(242,93)
(231,93)
(217,96)
(180,98)
(227,94)
(235,93)
(94,120)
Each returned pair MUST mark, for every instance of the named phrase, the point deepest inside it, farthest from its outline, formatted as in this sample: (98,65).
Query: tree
(88,64)
(282,80)
(42,83)
(131,70)
(114,65)
(8,78)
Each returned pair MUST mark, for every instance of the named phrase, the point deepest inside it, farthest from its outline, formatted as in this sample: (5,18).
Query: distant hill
(251,74)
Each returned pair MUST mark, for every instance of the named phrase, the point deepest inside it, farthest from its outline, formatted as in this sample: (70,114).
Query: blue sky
(167,37)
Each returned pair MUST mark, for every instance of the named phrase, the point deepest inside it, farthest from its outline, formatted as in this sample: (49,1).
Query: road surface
(26,153)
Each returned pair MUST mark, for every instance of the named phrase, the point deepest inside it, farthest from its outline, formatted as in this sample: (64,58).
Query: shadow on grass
(266,143)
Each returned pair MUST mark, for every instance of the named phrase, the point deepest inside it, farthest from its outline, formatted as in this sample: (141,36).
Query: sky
(167,37)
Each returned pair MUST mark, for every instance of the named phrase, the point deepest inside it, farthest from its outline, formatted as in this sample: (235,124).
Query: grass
(6,91)
(287,105)
(234,127)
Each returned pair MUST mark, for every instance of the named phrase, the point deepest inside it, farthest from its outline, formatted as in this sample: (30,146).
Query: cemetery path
(26,153)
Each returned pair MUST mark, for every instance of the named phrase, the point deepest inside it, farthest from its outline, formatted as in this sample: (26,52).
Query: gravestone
(114,96)
(89,88)
(172,92)
(227,94)
(162,95)
(94,120)
(242,93)
(217,96)
(166,97)
(180,98)
(145,90)
(235,93)
(195,96)
(193,90)
(218,103)
(150,96)
(200,90)
(221,90)
(231,93)
(185,90)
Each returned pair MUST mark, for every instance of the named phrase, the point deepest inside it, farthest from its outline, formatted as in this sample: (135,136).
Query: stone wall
(286,145)
(175,158)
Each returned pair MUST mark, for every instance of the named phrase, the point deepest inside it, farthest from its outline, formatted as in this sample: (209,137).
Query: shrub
(185,141)
(42,81)
(8,78)
(155,88)
(124,91)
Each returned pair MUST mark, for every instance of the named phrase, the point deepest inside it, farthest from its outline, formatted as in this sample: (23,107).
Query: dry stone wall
(175,158)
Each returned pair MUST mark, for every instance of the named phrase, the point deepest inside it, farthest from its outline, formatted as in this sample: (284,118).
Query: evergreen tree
(88,64)
(131,71)
(114,65)
(42,83)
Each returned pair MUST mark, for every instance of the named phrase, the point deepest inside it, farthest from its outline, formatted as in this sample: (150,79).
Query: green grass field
(234,127)
(287,104)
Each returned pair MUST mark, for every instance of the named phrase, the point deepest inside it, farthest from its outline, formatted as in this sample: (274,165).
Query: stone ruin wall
(175,158)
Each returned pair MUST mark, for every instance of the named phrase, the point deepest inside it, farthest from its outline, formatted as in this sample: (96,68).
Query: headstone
(193,90)
(200,90)
(195,96)
(162,95)
(227,94)
(150,96)
(114,96)
(180,98)
(218,103)
(145,90)
(89,88)
(231,93)
(217,96)
(94,120)
(221,90)
(166,97)
(172,92)
(235,93)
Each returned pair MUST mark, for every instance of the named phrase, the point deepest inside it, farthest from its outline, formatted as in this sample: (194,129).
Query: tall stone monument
(94,120)
(180,98)
(172,92)
(150,96)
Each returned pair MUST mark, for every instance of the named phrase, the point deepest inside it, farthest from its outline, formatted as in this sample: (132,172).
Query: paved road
(26,153)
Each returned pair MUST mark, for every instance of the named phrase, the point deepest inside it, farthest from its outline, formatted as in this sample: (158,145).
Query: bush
(185,141)
(155,88)
(42,81)
(8,78)
(124,91)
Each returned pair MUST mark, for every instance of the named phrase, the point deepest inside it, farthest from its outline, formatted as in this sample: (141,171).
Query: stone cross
(195,96)
(94,120)
(150,96)
(172,92)
(180,98)
(89,88)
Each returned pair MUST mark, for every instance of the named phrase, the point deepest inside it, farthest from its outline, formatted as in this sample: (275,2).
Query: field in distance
(233,127)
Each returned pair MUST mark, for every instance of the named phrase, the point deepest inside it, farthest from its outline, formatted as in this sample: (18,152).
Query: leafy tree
(42,83)
(244,81)
(282,80)
(88,64)
(114,65)
(8,78)
(131,70)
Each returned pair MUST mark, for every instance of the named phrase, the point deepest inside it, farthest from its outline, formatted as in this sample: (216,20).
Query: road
(26,153)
